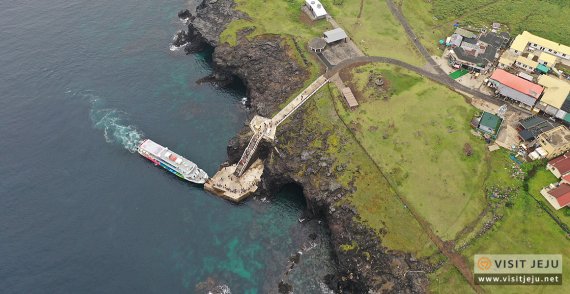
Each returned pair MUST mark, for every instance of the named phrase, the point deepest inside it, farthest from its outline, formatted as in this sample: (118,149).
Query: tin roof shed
(335,35)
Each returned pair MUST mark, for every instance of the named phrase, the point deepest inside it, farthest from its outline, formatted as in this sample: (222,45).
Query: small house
(557,195)
(489,123)
(560,165)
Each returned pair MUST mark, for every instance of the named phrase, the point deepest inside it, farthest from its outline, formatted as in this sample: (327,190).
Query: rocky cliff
(264,65)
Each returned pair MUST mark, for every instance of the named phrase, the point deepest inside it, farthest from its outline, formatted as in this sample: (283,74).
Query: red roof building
(561,195)
(517,83)
(566,178)
(560,165)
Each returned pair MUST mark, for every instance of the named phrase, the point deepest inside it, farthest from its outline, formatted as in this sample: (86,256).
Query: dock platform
(233,188)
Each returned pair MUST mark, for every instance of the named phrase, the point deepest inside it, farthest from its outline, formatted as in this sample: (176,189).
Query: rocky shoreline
(271,76)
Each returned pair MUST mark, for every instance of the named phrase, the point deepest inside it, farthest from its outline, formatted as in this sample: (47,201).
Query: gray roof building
(465,33)
(497,40)
(479,53)
(533,126)
(335,35)
(455,40)
(514,94)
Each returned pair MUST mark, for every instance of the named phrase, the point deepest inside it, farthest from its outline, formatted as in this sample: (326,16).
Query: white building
(316,8)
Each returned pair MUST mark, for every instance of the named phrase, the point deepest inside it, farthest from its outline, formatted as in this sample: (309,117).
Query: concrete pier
(238,181)
(231,187)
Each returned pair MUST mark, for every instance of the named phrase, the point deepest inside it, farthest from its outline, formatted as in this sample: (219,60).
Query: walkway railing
(248,153)
(299,100)
(275,121)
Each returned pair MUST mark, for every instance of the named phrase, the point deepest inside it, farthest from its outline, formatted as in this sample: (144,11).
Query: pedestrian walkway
(237,181)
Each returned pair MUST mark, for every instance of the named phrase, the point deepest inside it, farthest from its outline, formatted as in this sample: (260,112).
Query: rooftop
(566,104)
(490,120)
(562,194)
(335,35)
(480,59)
(527,61)
(317,44)
(561,163)
(522,40)
(507,58)
(497,40)
(542,68)
(517,83)
(548,58)
(534,126)
(455,40)
(556,90)
(465,33)
(556,137)
(317,7)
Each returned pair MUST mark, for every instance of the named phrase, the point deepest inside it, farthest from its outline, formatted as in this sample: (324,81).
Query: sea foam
(113,122)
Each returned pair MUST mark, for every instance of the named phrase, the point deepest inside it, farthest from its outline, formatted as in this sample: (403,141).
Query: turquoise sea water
(81,81)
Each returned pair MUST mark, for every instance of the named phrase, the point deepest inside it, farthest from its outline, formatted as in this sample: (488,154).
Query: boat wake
(115,129)
(113,122)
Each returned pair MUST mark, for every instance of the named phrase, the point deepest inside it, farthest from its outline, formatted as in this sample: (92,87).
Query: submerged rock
(181,38)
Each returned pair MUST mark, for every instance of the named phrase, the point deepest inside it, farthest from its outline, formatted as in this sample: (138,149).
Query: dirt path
(412,36)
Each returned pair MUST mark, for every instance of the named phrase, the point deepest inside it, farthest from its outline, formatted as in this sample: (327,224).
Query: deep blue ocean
(80,83)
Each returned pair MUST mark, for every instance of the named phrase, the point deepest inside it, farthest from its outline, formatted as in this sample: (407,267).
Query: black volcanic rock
(180,38)
(212,18)
(271,76)
(264,66)
(184,14)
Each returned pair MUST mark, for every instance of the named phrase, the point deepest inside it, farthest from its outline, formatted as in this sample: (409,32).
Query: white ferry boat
(172,162)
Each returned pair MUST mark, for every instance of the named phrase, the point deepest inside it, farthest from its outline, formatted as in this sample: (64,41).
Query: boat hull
(157,162)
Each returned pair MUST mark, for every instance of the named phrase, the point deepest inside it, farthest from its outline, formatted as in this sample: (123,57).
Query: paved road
(442,79)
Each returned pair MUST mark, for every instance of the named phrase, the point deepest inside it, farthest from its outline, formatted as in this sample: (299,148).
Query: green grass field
(375,201)
(410,135)
(417,136)
(525,229)
(542,178)
(278,17)
(434,20)
(377,32)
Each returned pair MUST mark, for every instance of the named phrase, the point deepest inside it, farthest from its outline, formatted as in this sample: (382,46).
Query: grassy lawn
(526,228)
(541,179)
(278,17)
(410,136)
(417,136)
(377,32)
(434,20)
(446,278)
(376,203)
